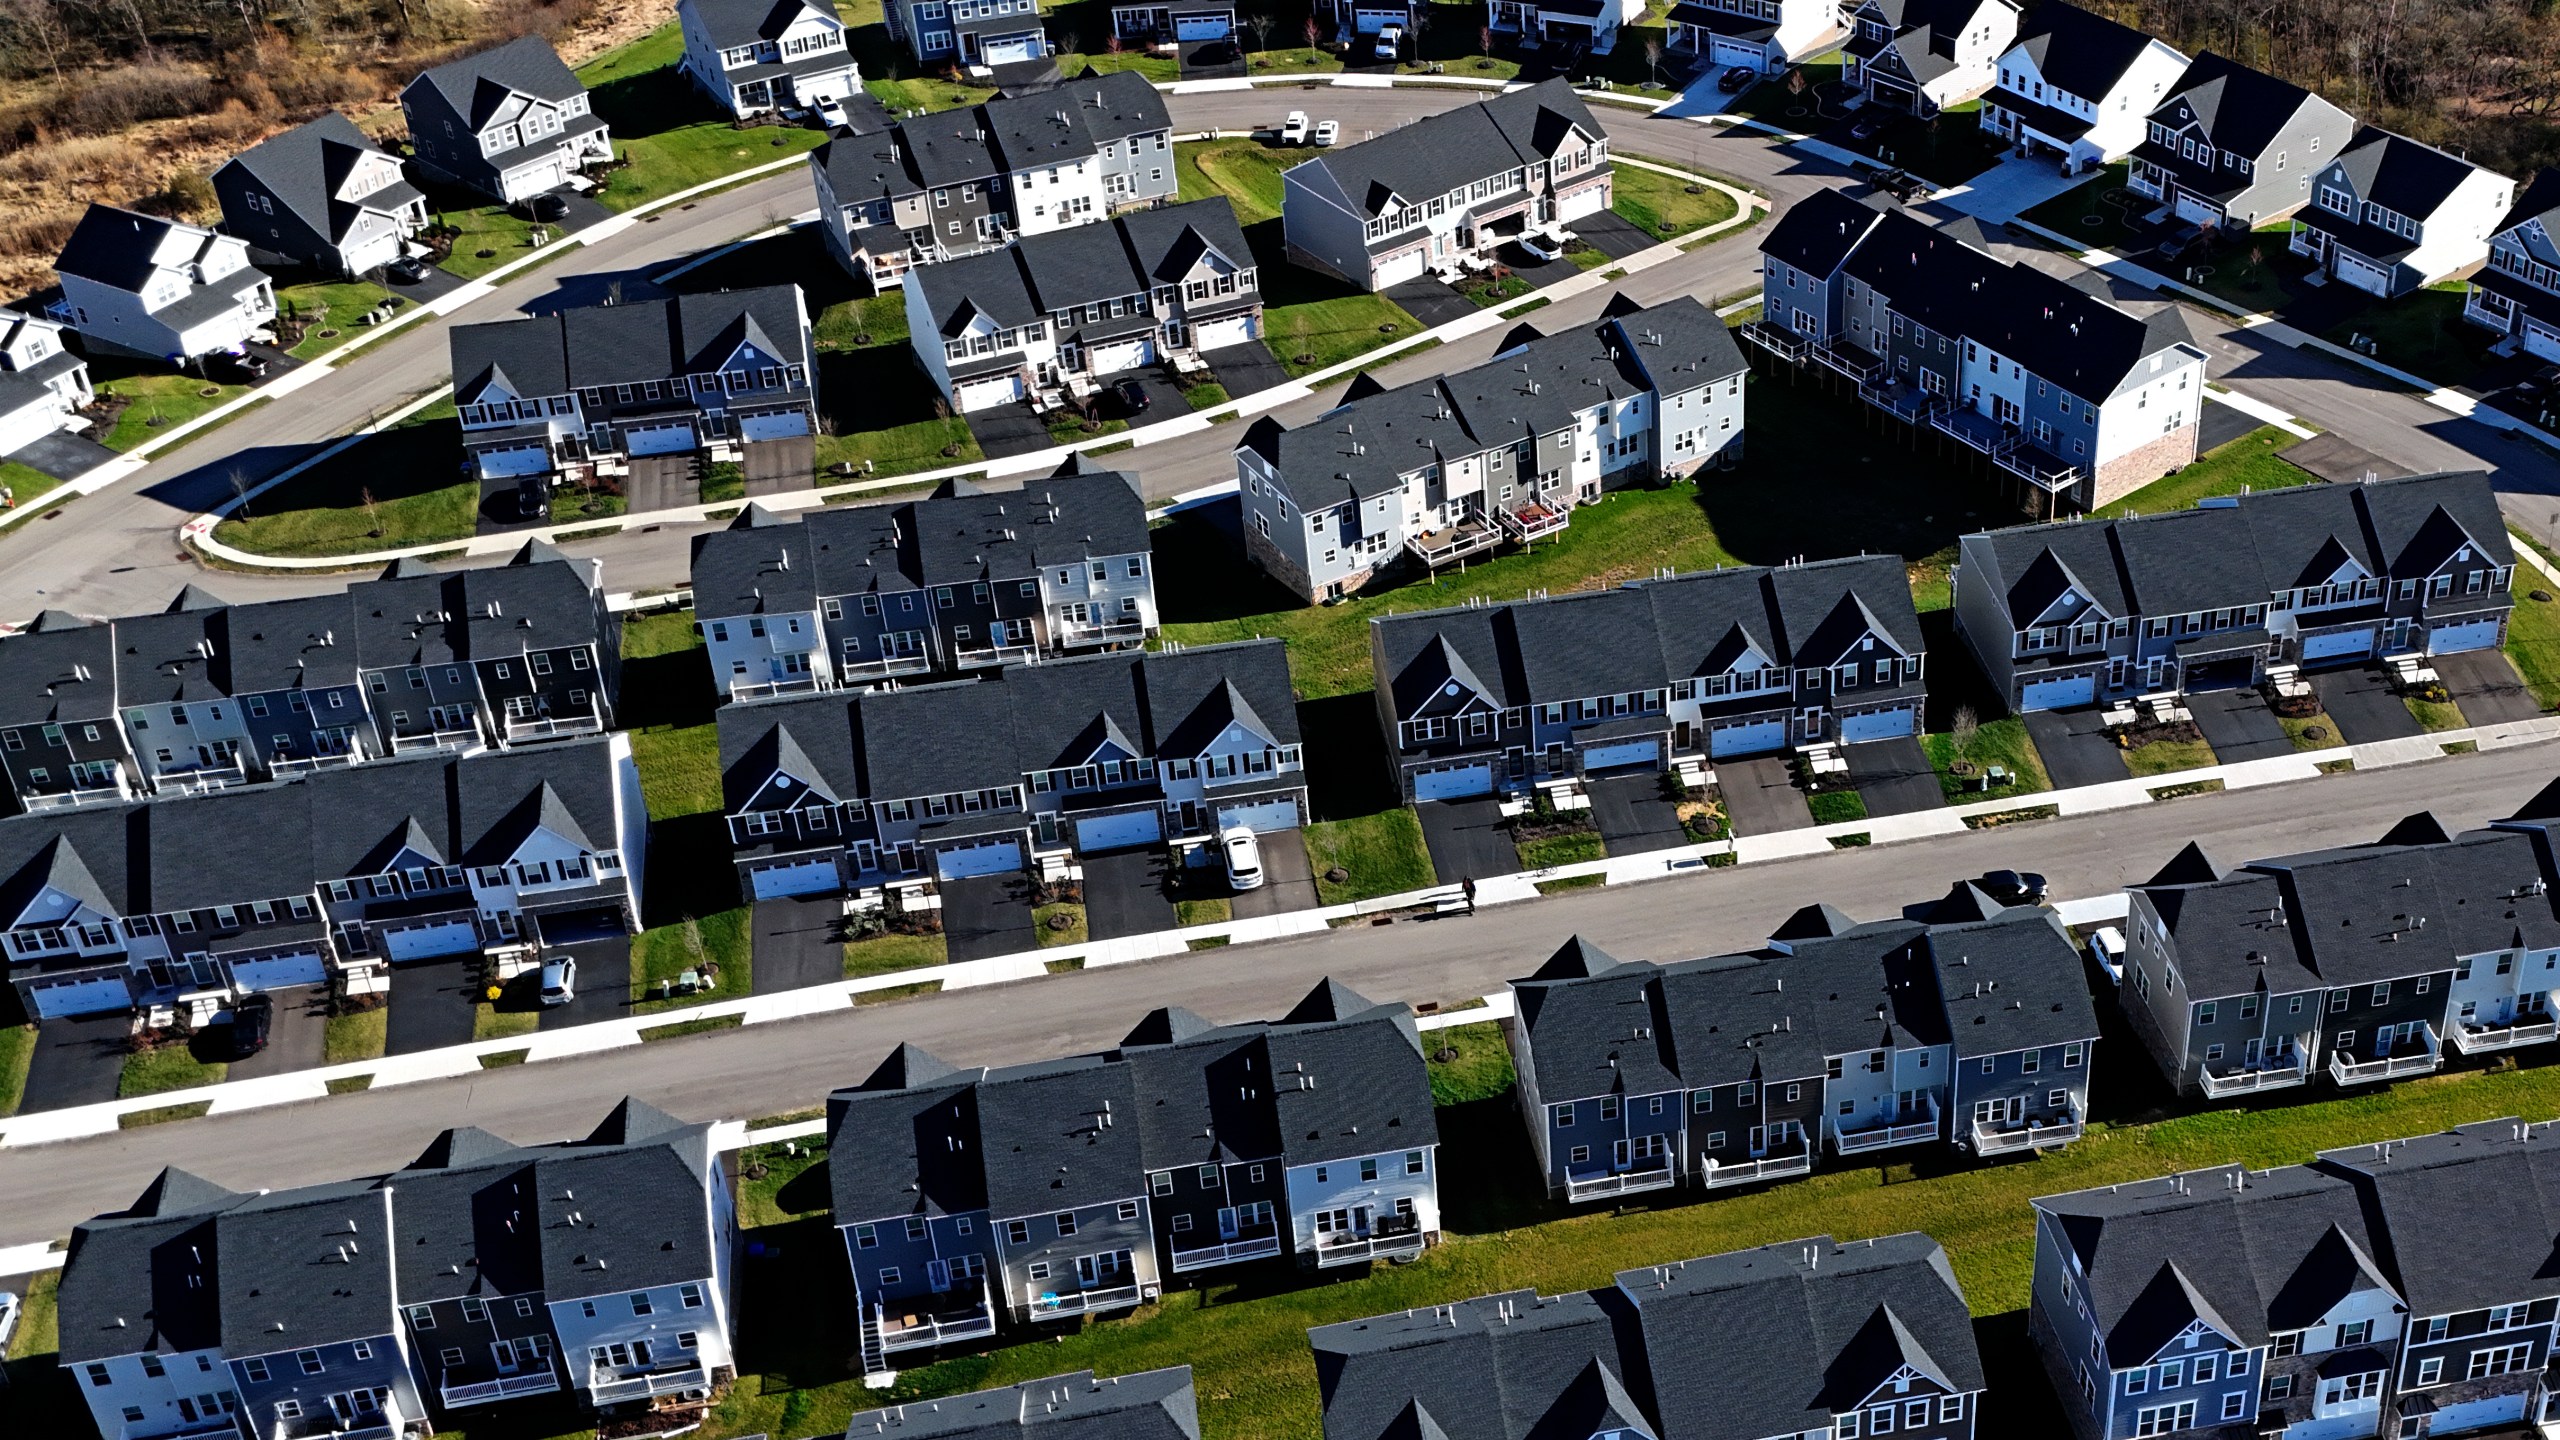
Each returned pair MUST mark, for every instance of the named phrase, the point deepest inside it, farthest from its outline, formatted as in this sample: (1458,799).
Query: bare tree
(372,511)
(1653,57)
(1962,729)
(1314,36)
(37,26)
(1260,24)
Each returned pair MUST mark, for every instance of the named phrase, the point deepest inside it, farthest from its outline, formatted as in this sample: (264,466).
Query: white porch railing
(1650,1174)
(808,684)
(1085,1302)
(994,655)
(505,1387)
(1072,632)
(2523,1030)
(2392,1067)
(1777,340)
(435,740)
(538,726)
(1714,1173)
(1990,1139)
(925,1331)
(884,667)
(303,763)
(71,799)
(1879,1137)
(606,1388)
(1351,1250)
(1229,1252)
(2250,1082)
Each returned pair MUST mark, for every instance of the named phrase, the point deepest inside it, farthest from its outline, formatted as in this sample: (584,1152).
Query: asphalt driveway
(1246,369)
(1894,777)
(77,1062)
(63,455)
(1632,815)
(431,1006)
(297,1040)
(2075,748)
(1127,892)
(1431,302)
(661,482)
(796,945)
(1467,839)
(2238,725)
(1760,795)
(2360,700)
(2485,684)
(1613,234)
(1288,878)
(1008,430)
(604,983)
(987,916)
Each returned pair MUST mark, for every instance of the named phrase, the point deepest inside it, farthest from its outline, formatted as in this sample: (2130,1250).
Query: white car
(831,112)
(1542,247)
(1294,130)
(1243,856)
(1328,131)
(1390,41)
(559,980)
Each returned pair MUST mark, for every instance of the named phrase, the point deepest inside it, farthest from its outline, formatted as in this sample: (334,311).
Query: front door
(1618,1155)
(1361,1215)
(1227,1222)
(2017,1108)
(937,1273)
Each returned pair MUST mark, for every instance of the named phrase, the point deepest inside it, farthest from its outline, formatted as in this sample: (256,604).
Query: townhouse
(1051,318)
(2070,400)
(752,58)
(1970,1026)
(1763,36)
(177,905)
(2079,86)
(587,391)
(1488,698)
(894,196)
(1804,1338)
(1587,25)
(323,196)
(867,595)
(2389,216)
(43,385)
(138,285)
(1349,19)
(1150,1405)
(1448,191)
(62,741)
(1925,55)
(2518,294)
(1457,465)
(2364,962)
(1028,770)
(473,1276)
(2231,146)
(1068,1187)
(972,34)
(1146,22)
(2218,596)
(508,122)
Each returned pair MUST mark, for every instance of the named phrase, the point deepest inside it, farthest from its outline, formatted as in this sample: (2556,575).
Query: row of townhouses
(894,195)
(482,1274)
(1720,663)
(207,694)
(1971,1027)
(866,595)
(1029,769)
(2235,589)
(2071,400)
(178,905)
(1457,465)
(1063,1188)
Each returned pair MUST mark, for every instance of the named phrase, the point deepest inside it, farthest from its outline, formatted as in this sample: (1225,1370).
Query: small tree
(1111,46)
(1653,58)
(1484,41)
(1313,35)
(372,511)
(1962,729)
(1260,24)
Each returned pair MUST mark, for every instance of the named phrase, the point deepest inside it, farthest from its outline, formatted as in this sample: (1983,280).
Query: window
(99,1378)
(2204,1368)
(1017,1232)
(288,1409)
(2165,1419)
(2137,1382)
(1413,1158)
(2355,1332)
(2288,1344)
(691,1295)
(1038,1270)
(1160,1183)
(364,1349)
(309,1360)
(2504,1360)
(1066,1223)
(640,1304)
(888,1275)
(2431,1370)
(1950,1408)
(422,1317)
(1208,1177)
(255,1369)
(2279,1387)
(2239,1364)
(865,1237)
(1128,1210)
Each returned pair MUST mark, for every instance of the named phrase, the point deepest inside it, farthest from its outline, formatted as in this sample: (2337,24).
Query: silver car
(559,980)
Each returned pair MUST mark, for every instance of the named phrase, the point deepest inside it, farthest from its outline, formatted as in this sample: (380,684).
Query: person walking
(1467,887)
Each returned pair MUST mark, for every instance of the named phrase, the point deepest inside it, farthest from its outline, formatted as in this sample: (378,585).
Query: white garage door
(1877,725)
(789,425)
(1726,51)
(2504,1410)
(2469,635)
(2197,211)
(1261,819)
(1006,52)
(81,997)
(1370,22)
(520,460)
(535,179)
(808,877)
(1397,269)
(1201,27)
(2054,694)
(1746,738)
(2364,275)
(1121,355)
(996,857)
(1628,752)
(1119,832)
(979,394)
(423,942)
(1232,330)
(279,972)
(1455,784)
(2338,645)
(660,439)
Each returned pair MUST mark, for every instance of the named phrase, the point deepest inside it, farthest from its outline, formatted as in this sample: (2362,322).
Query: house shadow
(1201,573)
(2017,1395)
(1347,767)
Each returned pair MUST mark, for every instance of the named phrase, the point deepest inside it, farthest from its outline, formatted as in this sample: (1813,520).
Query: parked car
(533,498)
(252,1017)
(2182,240)
(1133,397)
(1390,41)
(2013,887)
(1243,856)
(1541,248)
(559,979)
(546,209)
(244,366)
(1216,52)
(1293,131)
(407,270)
(1328,131)
(830,112)
(1740,77)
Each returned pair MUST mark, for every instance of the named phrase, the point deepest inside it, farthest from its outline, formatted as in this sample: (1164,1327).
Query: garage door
(659,439)
(518,460)
(1397,269)
(1877,725)
(1726,51)
(808,877)
(1007,52)
(979,394)
(1119,832)
(1201,27)
(1233,330)
(2338,645)
(2469,635)
(999,857)
(788,425)
(279,972)
(2197,211)
(2054,694)
(1453,784)
(1122,355)
(2503,1410)
(1370,22)
(54,999)
(2364,275)
(1261,819)
(1748,738)
(1627,752)
(423,942)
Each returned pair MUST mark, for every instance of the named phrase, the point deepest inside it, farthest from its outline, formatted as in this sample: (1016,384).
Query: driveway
(2485,684)
(2075,748)
(774,467)
(1008,430)
(1125,893)
(1288,878)
(2223,423)
(1632,815)
(1431,302)
(1613,234)
(987,916)
(1761,797)
(1467,839)
(796,945)
(1246,369)
(661,482)
(431,1006)
(63,455)
(297,1040)
(77,1062)
(2017,184)
(2335,458)
(2238,725)
(2360,700)
(1894,777)
(604,983)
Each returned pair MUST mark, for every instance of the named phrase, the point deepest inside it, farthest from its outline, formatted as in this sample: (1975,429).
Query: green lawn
(327,306)
(1383,854)
(1572,848)
(518,1012)
(1309,320)
(2162,757)
(1452,36)
(2098,214)
(1160,69)
(170,1067)
(401,486)
(156,401)
(887,954)
(657,50)
(1207,395)
(17,1052)
(1247,172)
(1047,931)
(360,1035)
(1947,150)
(1665,206)
(2423,333)
(869,320)
(1311,335)
(1481,1070)
(2255,274)
(668,951)
(666,130)
(1067,428)
(859,388)
(2299,731)
(1214,910)
(1836,807)
(2002,742)
(479,228)
(2533,637)
(2435,715)
(2248,463)
(25,482)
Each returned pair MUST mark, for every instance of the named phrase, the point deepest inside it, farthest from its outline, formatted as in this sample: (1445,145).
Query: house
(2389,216)
(2231,146)
(1037,765)
(1146,22)
(1763,36)
(2079,86)
(1805,1338)
(1346,20)
(589,390)
(861,596)
(323,196)
(1456,465)
(1577,25)
(139,285)
(753,58)
(1052,317)
(42,384)
(1324,1148)
(2518,295)
(2071,400)
(508,122)
(970,33)
(2217,596)
(1856,1037)
(62,742)
(1150,1405)
(1925,55)
(1487,698)
(503,655)
(892,196)
(1448,189)
(2365,961)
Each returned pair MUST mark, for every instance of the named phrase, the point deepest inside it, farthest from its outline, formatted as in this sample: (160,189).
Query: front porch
(2529,1027)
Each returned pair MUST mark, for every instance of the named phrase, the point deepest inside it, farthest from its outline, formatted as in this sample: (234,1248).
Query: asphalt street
(772,1068)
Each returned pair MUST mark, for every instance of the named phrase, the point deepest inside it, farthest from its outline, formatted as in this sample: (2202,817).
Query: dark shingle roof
(1151,1405)
(627,343)
(305,1267)
(2501,1177)
(475,86)
(1440,152)
(305,169)
(2401,175)
(144,1280)
(1512,1366)
(120,248)
(2241,109)
(2078,51)
(732,23)
(2011,982)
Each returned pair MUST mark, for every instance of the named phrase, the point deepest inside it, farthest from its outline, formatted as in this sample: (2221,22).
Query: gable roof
(305,168)
(2079,51)
(1151,1405)
(732,23)
(1511,1366)
(121,249)
(2400,174)
(477,86)
(640,340)
(2241,109)
(2504,1176)
(1442,152)
(1817,233)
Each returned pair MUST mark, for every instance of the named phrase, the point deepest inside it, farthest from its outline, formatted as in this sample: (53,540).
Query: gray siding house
(2519,293)
(320,195)
(2231,146)
(508,122)
(2389,216)
(1151,1405)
